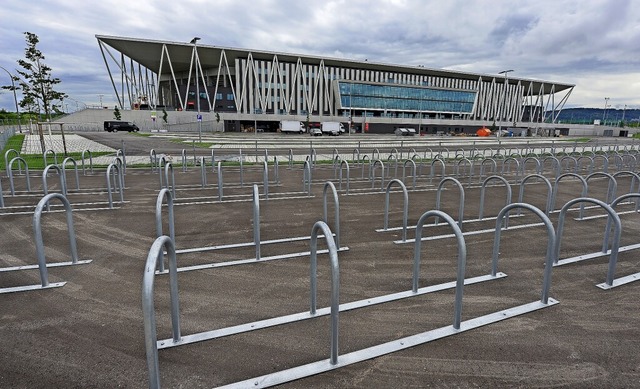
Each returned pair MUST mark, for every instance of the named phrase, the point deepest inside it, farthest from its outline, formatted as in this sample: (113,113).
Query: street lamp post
(506,82)
(15,98)
(350,107)
(421,114)
(194,42)
(604,114)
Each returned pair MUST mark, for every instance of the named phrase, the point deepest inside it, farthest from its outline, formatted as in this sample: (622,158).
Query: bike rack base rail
(387,348)
(52,264)
(260,324)
(26,288)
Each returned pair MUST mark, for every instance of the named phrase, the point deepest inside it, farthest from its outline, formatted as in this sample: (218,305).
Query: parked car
(405,132)
(315,131)
(119,125)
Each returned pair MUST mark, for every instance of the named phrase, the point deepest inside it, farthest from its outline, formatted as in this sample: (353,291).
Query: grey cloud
(561,40)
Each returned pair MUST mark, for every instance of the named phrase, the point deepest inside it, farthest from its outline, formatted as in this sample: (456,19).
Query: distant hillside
(588,115)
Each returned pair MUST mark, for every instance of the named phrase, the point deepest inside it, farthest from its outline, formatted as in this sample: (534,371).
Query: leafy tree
(36,81)
(116,113)
(164,115)
(217,120)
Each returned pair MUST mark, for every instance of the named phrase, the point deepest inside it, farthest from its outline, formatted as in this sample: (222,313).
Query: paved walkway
(75,144)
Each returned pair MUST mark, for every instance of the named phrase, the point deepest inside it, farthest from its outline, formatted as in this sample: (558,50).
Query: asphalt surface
(90,332)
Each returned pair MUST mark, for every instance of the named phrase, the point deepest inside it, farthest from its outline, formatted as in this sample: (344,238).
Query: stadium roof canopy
(148,53)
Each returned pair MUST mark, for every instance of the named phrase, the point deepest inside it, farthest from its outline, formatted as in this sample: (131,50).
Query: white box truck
(333,128)
(292,126)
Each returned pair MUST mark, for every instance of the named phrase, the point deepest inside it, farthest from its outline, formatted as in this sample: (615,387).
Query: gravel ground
(90,334)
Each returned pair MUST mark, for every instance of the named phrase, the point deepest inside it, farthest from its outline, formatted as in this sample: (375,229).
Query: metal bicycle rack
(395,159)
(523,165)
(547,208)
(63,183)
(335,361)
(482,192)
(183,160)
(493,163)
(461,199)
(611,189)
(635,178)
(306,177)
(119,161)
(114,173)
(344,163)
(405,207)
(120,155)
(555,165)
(467,167)
(10,173)
(432,173)
(552,241)
(168,166)
(39,243)
(154,161)
(75,169)
(591,165)
(610,282)
(257,242)
(413,171)
(372,174)
(6,158)
(203,173)
(605,247)
(47,152)
(507,163)
(585,188)
(365,157)
(152,345)
(165,194)
(565,162)
(84,152)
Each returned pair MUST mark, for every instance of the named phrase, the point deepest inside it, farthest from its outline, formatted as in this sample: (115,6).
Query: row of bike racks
(549,204)
(473,165)
(61,171)
(462,167)
(114,176)
(42,264)
(86,154)
(607,205)
(335,361)
(165,198)
(156,165)
(167,178)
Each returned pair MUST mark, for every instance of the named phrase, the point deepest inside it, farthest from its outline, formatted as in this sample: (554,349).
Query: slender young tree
(36,81)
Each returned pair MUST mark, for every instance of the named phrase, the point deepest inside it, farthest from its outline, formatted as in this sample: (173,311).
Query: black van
(119,125)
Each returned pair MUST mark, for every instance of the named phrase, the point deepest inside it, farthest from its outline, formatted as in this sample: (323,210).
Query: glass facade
(404,98)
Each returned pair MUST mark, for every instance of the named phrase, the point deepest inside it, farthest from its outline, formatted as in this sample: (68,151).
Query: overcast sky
(594,44)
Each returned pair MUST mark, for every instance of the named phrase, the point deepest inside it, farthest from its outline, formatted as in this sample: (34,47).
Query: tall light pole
(194,42)
(15,98)
(604,114)
(506,82)
(624,110)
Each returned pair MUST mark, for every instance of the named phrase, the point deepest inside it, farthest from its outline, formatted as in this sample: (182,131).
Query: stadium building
(243,89)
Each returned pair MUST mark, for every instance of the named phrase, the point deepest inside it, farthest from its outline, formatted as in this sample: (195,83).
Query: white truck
(292,126)
(333,128)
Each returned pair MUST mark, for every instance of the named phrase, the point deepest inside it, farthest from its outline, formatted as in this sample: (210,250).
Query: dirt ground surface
(90,333)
